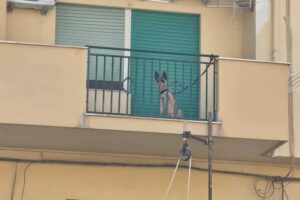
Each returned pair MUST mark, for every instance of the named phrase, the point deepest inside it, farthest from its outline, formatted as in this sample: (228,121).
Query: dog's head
(162,81)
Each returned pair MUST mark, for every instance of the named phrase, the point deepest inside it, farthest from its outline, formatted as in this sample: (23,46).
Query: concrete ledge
(42,45)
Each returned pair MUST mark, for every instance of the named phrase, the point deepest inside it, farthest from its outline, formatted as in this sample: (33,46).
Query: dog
(167,101)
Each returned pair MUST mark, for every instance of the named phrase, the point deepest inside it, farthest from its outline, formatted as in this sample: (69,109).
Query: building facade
(95,95)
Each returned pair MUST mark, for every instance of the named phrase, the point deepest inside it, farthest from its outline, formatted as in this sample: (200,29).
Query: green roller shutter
(172,32)
(86,25)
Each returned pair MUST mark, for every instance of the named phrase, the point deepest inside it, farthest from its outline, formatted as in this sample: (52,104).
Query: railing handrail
(154,52)
(145,58)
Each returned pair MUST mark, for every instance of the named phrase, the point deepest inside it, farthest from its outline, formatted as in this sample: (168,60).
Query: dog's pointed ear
(156,76)
(164,75)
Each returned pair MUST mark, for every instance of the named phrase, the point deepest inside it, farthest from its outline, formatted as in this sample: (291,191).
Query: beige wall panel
(249,36)
(218,33)
(253,99)
(53,182)
(297,123)
(295,15)
(42,85)
(2,19)
(295,6)
(282,32)
(28,25)
(7,171)
(263,30)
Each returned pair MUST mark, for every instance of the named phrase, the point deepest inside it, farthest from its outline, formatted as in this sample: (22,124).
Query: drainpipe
(275,29)
(289,45)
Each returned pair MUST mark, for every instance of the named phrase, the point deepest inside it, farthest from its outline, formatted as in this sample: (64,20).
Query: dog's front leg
(171,111)
(161,106)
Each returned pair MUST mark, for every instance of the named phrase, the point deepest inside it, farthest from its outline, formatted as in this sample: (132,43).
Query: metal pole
(207,141)
(210,143)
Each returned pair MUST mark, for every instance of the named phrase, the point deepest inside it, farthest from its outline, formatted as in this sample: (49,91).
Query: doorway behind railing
(151,83)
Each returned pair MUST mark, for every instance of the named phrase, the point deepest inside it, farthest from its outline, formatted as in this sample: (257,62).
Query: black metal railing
(151,83)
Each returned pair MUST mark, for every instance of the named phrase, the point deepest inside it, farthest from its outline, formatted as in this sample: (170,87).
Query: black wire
(197,79)
(187,87)
(268,191)
(24,179)
(14,183)
(282,190)
(267,177)
(286,195)
(279,187)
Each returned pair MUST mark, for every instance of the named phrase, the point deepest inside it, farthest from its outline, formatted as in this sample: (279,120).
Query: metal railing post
(96,80)
(88,80)
(104,76)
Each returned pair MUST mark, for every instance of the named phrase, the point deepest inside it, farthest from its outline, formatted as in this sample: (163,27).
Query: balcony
(47,101)
(152,84)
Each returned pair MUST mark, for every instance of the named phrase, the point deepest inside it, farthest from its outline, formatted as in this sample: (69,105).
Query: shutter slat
(86,25)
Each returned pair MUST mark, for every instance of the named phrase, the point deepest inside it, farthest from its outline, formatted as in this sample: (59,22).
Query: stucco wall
(295,6)
(42,84)
(218,34)
(264,30)
(253,98)
(263,25)
(28,25)
(46,85)
(55,181)
(2,19)
(249,36)
(296,67)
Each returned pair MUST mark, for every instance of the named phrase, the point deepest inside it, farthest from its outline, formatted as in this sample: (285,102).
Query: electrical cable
(289,49)
(14,182)
(183,88)
(286,195)
(119,164)
(24,179)
(282,190)
(270,187)
(267,192)
(271,179)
